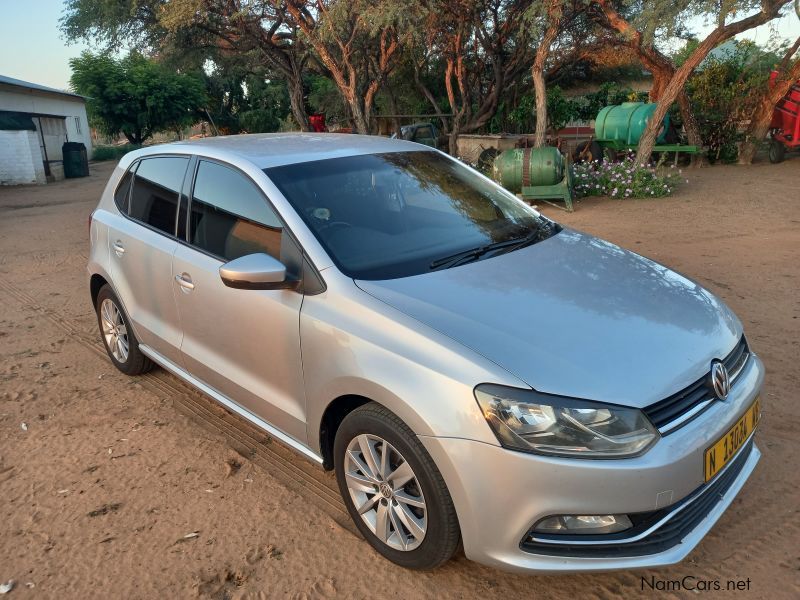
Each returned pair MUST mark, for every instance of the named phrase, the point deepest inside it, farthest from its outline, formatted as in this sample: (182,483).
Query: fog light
(580,524)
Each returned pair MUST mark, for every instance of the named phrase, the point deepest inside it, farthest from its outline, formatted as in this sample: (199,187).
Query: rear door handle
(184,281)
(119,249)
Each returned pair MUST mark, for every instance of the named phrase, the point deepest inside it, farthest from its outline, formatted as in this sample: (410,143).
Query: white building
(34,123)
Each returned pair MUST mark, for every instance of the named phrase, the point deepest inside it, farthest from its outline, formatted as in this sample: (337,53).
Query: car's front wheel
(393,490)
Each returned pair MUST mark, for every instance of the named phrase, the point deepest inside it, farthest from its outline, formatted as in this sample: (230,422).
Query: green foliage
(610,93)
(240,101)
(562,109)
(625,179)
(721,93)
(136,96)
(112,152)
(266,106)
(324,97)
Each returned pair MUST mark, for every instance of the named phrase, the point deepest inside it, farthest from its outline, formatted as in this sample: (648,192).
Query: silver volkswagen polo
(473,371)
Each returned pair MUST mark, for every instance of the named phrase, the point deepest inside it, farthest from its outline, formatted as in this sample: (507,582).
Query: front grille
(696,397)
(695,508)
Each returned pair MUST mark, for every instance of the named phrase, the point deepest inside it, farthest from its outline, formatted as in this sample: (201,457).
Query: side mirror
(256,272)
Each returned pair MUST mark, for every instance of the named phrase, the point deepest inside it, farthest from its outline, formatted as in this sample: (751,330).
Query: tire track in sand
(292,470)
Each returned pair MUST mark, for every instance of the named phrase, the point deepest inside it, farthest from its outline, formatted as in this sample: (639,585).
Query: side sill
(230,404)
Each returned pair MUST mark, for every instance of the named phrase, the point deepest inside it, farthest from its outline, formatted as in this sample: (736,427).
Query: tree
(357,41)
(136,96)
(554,12)
(241,101)
(721,92)
(788,71)
(642,43)
(724,30)
(485,46)
(256,32)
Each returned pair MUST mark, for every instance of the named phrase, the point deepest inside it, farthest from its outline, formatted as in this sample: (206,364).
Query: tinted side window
(230,216)
(155,191)
(121,195)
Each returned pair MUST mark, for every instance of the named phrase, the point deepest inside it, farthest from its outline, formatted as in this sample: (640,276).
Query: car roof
(266,150)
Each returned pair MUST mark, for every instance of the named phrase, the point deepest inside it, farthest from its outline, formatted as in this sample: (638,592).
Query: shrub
(722,92)
(625,179)
(112,152)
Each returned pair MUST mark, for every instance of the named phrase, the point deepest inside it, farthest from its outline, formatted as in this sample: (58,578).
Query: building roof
(274,149)
(35,86)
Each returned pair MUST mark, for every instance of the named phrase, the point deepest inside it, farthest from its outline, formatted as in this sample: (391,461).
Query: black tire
(135,363)
(777,151)
(443,534)
(486,161)
(588,151)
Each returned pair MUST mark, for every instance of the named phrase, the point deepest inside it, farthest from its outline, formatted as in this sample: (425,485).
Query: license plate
(718,455)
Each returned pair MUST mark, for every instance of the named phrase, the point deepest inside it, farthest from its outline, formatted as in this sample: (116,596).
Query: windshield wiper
(475,253)
(534,236)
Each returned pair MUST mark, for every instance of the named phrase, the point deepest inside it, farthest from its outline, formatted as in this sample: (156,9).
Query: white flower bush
(625,179)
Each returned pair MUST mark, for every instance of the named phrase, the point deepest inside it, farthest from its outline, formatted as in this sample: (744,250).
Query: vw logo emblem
(386,490)
(720,381)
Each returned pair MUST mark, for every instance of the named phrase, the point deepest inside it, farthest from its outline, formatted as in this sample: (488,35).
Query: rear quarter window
(121,194)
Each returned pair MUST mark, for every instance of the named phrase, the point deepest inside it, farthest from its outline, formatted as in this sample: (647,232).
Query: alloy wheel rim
(115,333)
(385,492)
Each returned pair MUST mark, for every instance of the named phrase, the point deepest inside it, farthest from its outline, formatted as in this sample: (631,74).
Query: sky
(32,48)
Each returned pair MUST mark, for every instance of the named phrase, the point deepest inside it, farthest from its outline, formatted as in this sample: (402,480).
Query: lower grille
(692,511)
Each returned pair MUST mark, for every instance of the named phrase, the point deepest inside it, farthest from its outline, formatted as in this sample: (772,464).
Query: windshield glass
(383,216)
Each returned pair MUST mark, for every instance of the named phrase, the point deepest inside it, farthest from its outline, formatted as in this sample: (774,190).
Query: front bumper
(499,494)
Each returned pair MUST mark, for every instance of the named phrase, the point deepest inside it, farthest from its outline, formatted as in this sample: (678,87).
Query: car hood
(577,316)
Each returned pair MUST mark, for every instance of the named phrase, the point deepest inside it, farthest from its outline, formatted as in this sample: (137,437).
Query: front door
(141,251)
(243,343)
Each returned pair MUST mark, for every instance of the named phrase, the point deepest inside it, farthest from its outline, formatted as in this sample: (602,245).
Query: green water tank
(626,122)
(520,167)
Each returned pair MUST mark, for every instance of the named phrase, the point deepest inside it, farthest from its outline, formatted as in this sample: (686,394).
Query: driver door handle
(184,281)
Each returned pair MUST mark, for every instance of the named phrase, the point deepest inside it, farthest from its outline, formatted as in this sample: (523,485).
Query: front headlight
(532,422)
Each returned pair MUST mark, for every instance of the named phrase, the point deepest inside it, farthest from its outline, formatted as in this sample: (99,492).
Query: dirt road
(112,487)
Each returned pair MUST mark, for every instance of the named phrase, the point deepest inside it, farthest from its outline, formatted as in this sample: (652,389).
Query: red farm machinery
(785,126)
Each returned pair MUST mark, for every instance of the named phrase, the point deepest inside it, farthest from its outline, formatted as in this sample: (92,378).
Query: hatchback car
(474,372)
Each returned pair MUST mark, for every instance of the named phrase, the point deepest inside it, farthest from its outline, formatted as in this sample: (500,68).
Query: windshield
(384,216)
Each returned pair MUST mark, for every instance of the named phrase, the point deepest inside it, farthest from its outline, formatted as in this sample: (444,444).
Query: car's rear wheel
(393,490)
(118,337)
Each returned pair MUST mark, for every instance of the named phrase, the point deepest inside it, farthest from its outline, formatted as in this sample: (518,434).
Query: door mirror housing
(256,272)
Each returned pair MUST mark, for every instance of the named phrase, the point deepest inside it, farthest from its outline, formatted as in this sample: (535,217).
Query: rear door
(142,243)
(243,343)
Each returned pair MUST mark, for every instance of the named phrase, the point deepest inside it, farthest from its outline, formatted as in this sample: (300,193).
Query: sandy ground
(108,474)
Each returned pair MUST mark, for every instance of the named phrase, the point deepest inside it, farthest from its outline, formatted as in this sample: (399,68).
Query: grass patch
(112,152)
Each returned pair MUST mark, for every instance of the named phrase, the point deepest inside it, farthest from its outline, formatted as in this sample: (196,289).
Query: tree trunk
(762,113)
(537,71)
(662,73)
(134,137)
(648,139)
(453,140)
(540,90)
(660,79)
(297,102)
(360,116)
(429,96)
(392,101)
(692,129)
